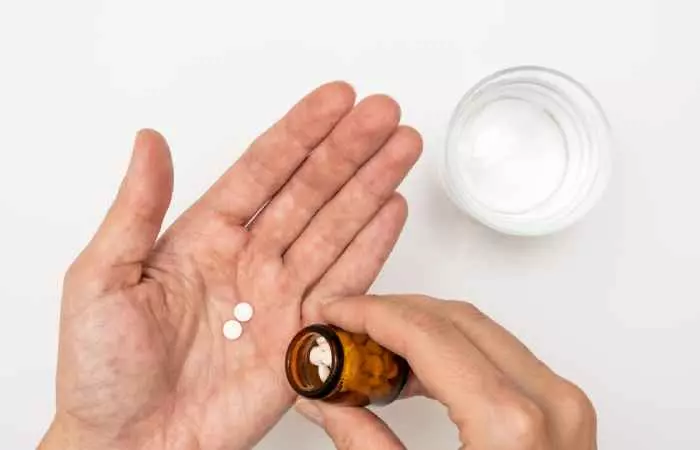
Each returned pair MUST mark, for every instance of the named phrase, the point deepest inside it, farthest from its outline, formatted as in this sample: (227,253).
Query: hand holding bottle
(498,394)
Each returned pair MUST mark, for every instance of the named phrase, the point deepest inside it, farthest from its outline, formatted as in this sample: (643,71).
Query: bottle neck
(305,377)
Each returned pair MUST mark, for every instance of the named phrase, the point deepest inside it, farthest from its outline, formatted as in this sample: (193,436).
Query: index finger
(448,366)
(274,156)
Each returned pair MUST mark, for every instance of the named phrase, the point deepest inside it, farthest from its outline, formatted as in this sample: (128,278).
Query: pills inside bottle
(327,363)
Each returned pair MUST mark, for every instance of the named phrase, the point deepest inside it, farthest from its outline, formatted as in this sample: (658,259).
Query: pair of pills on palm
(233,329)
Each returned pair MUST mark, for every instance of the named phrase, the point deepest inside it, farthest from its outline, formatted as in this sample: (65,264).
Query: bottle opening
(314,362)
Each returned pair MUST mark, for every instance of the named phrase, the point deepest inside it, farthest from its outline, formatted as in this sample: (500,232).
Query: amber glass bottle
(357,371)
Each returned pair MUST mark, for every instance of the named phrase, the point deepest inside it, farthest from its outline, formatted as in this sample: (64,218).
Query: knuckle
(572,408)
(346,160)
(422,320)
(371,188)
(344,442)
(524,423)
(341,437)
(307,183)
(342,152)
(466,309)
(260,171)
(425,298)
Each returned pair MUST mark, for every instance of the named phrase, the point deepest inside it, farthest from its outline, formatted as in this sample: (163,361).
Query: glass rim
(584,189)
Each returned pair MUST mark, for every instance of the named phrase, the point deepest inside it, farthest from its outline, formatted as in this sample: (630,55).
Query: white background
(613,303)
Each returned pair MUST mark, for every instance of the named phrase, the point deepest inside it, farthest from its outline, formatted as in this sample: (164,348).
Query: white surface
(612,303)
(232,330)
(243,312)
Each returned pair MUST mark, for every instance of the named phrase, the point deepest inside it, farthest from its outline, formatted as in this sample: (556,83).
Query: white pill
(232,330)
(327,354)
(321,354)
(321,340)
(243,311)
(323,372)
(316,356)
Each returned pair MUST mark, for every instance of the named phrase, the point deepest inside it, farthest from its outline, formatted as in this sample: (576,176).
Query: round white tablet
(232,330)
(243,311)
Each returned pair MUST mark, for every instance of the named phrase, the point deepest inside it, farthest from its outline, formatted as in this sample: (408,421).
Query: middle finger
(353,141)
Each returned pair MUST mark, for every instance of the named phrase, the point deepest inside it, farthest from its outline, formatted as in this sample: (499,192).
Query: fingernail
(310,410)
(140,138)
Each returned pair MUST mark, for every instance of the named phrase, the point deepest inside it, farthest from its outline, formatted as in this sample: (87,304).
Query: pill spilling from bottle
(321,357)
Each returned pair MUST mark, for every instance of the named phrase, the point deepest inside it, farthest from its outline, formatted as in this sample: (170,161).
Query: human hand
(497,393)
(142,360)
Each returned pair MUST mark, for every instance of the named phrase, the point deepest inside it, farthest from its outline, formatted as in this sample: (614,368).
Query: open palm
(142,360)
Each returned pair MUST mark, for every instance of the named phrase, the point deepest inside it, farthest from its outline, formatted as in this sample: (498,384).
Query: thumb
(350,428)
(128,232)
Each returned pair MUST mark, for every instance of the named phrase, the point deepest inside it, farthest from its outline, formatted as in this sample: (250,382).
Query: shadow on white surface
(420,423)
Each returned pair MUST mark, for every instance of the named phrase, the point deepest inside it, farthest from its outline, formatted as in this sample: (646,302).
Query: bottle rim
(293,364)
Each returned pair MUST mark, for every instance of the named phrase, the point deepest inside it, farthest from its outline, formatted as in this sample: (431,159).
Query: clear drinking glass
(528,151)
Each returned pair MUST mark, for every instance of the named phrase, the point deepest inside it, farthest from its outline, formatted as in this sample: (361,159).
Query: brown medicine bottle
(359,372)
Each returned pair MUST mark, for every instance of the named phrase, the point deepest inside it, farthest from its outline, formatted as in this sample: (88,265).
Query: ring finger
(337,224)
